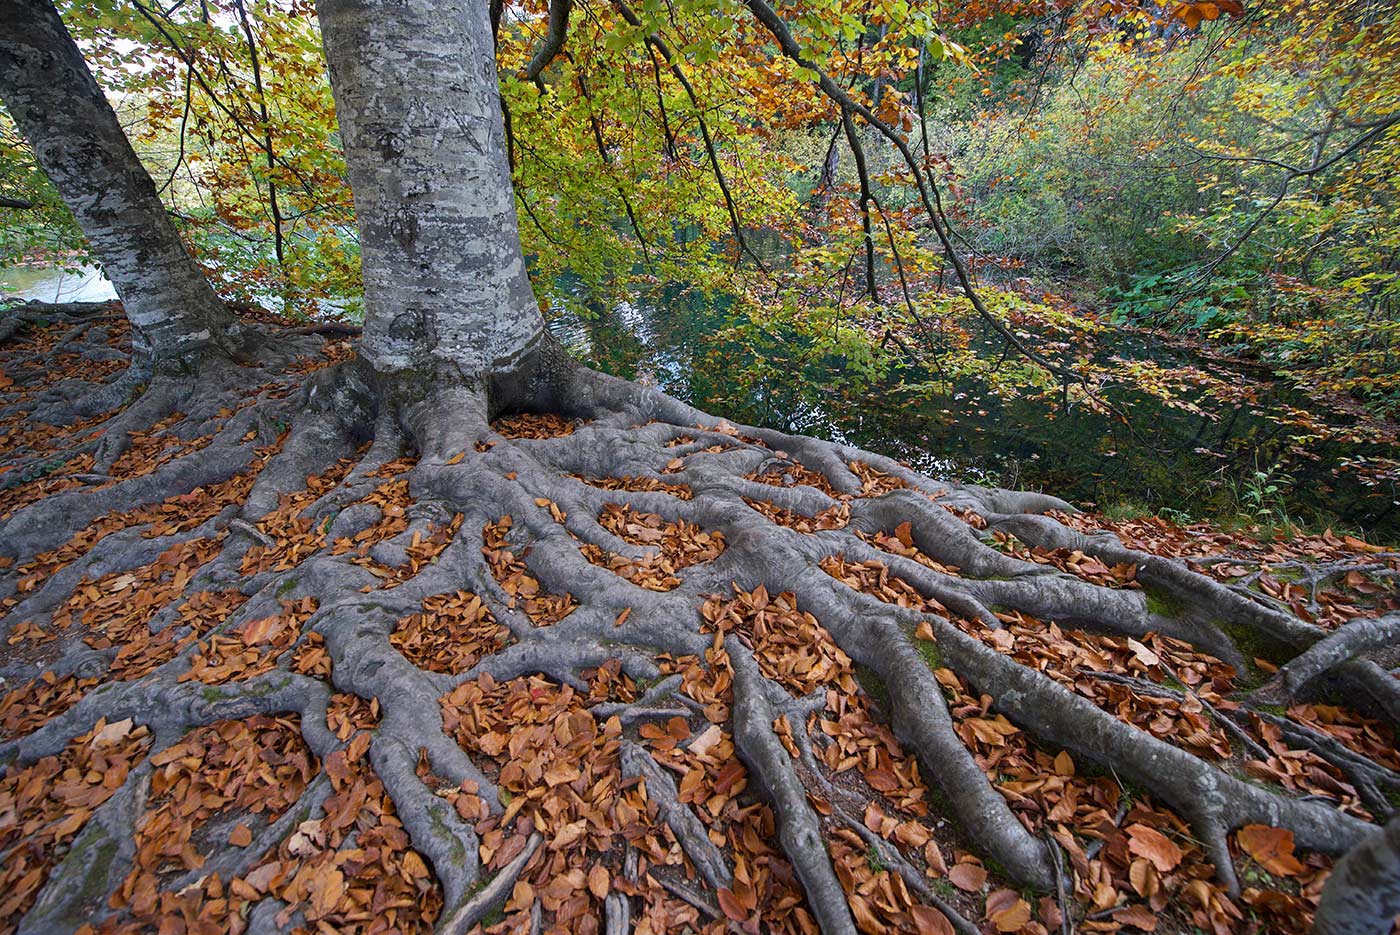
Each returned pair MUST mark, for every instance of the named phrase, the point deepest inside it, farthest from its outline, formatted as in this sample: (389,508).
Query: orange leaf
(903,533)
(1007,911)
(730,905)
(929,921)
(260,630)
(1137,916)
(882,780)
(599,882)
(1271,847)
(1154,845)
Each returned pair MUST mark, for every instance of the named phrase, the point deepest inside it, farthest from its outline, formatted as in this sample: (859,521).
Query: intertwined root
(639,669)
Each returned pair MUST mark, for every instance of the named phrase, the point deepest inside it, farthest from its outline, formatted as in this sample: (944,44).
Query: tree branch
(553,43)
(659,44)
(928,191)
(863,173)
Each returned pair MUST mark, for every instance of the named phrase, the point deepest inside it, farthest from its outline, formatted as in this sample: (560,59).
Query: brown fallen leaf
(730,905)
(599,881)
(111,733)
(937,867)
(1007,911)
(968,877)
(929,921)
(1137,916)
(1271,847)
(1154,845)
(881,780)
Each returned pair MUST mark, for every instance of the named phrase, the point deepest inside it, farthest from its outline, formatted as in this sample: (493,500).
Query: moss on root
(873,686)
(1255,645)
(1163,603)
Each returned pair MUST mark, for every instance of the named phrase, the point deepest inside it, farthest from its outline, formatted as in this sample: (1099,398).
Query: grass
(874,861)
(1126,510)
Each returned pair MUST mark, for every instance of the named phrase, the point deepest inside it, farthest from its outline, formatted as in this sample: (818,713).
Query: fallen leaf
(1007,911)
(730,906)
(968,877)
(113,732)
(929,921)
(1137,916)
(1154,845)
(1271,847)
(599,882)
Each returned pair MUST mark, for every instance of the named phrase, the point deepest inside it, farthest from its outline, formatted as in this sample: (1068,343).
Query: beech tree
(387,561)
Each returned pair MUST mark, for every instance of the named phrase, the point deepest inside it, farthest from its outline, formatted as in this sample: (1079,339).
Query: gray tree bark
(1362,896)
(447,295)
(52,96)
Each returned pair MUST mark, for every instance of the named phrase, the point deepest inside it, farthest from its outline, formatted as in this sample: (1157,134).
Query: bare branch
(863,173)
(928,191)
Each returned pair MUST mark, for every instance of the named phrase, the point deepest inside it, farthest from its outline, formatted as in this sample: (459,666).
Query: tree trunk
(1362,896)
(447,294)
(53,97)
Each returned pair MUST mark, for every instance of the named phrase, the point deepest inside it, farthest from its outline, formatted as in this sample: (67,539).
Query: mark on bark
(403,226)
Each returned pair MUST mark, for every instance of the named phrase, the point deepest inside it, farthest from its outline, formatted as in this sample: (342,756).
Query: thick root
(591,658)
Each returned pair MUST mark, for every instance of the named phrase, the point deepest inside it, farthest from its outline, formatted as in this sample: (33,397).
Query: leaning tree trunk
(53,97)
(447,295)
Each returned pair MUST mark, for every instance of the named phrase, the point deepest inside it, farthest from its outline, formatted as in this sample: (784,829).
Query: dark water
(1201,466)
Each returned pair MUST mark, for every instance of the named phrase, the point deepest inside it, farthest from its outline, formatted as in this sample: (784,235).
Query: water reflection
(1164,458)
(46,284)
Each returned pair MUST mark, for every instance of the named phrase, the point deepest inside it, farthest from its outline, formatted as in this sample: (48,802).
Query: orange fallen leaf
(1007,911)
(599,882)
(1154,845)
(1271,847)
(729,904)
(1137,916)
(929,921)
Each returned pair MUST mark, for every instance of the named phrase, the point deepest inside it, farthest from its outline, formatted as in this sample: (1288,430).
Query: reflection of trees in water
(616,348)
(1166,457)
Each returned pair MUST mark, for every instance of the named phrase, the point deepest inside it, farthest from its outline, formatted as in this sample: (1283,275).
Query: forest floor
(611,790)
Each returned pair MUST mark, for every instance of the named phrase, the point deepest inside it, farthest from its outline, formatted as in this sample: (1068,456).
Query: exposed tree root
(1369,898)
(574,665)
